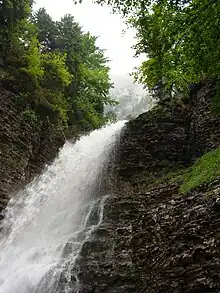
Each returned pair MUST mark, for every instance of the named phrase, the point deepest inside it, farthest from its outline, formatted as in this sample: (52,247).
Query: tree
(57,69)
(179,37)
(12,14)
(88,91)
(47,30)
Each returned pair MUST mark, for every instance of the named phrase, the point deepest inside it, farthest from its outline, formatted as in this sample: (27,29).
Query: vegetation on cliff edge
(55,69)
(204,170)
(180,39)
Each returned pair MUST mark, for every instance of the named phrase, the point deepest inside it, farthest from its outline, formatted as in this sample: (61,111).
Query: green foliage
(87,91)
(47,30)
(180,39)
(182,43)
(56,73)
(29,116)
(112,117)
(62,75)
(205,169)
(33,64)
(12,12)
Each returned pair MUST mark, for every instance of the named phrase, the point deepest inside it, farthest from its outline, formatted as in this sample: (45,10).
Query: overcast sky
(99,21)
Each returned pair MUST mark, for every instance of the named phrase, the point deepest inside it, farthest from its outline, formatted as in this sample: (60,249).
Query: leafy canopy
(180,39)
(62,74)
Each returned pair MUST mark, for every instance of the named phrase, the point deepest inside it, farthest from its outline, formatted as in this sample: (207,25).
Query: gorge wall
(153,238)
(25,147)
(155,242)
(168,138)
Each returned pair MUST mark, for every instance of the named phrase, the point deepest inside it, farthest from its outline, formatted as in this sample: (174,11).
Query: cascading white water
(51,212)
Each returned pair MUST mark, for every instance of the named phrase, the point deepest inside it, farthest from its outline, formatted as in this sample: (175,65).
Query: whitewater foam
(53,212)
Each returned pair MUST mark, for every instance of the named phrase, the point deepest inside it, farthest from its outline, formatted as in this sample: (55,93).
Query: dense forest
(54,68)
(58,73)
(180,39)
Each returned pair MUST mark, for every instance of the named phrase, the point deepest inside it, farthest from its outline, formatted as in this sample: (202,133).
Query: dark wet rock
(105,263)
(25,148)
(158,242)
(168,138)
(153,241)
(203,133)
(153,143)
(217,205)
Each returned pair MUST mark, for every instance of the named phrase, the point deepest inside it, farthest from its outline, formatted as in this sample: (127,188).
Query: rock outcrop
(168,138)
(203,134)
(150,241)
(25,148)
(159,241)
(153,143)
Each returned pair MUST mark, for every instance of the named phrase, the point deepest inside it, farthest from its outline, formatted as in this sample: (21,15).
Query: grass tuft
(205,170)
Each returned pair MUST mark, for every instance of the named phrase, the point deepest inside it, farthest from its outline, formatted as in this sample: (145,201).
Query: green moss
(205,169)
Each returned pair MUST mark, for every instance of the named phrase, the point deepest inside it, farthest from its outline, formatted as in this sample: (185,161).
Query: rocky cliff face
(153,143)
(25,148)
(158,240)
(203,133)
(150,240)
(166,139)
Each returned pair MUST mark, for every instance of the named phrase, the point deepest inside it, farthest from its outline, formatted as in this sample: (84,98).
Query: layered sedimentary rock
(154,240)
(25,147)
(203,134)
(167,138)
(159,241)
(154,143)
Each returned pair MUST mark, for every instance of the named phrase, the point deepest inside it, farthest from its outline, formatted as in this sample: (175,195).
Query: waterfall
(46,224)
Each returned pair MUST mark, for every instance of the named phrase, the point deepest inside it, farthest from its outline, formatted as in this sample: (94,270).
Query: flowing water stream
(46,224)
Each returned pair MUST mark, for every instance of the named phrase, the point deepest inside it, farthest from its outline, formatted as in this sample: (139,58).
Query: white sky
(99,21)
